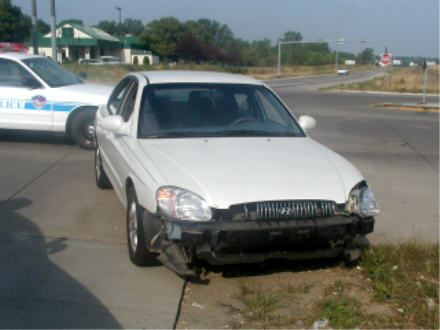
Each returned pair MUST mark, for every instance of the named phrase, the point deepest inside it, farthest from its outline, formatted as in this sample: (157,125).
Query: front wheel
(137,248)
(83,129)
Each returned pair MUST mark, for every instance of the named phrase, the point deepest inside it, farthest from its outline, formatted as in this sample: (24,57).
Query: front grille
(298,209)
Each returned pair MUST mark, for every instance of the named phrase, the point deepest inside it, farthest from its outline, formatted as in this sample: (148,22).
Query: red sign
(386,58)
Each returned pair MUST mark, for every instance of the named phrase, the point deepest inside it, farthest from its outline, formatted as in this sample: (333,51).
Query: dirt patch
(277,294)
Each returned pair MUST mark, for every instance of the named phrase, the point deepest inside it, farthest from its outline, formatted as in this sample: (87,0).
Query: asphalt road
(397,151)
(63,259)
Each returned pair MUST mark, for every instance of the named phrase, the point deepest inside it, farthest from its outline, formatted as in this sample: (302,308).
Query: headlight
(181,204)
(363,203)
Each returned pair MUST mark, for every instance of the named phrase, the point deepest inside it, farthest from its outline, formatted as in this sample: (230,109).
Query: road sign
(386,58)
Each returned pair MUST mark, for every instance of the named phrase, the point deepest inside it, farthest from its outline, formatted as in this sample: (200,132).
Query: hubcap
(133,226)
(91,129)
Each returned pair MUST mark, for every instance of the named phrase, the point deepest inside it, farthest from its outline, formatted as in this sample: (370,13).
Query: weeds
(406,275)
(342,311)
(404,80)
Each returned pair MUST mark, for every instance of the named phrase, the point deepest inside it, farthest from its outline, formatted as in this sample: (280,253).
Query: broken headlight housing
(362,202)
(181,204)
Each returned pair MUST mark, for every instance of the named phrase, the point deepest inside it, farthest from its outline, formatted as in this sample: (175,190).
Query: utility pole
(34,27)
(53,28)
(424,66)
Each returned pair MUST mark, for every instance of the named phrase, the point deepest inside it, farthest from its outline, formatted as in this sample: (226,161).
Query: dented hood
(227,171)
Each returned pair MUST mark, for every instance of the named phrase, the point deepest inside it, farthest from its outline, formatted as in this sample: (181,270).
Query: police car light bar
(13,47)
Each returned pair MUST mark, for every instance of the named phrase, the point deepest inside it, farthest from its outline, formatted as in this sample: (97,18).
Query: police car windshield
(52,73)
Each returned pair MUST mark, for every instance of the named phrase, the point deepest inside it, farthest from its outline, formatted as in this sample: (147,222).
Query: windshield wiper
(247,132)
(174,134)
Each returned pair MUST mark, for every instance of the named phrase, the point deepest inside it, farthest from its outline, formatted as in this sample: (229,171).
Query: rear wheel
(137,248)
(83,129)
(102,180)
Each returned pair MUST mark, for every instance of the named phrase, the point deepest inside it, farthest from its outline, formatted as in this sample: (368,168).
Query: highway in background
(62,241)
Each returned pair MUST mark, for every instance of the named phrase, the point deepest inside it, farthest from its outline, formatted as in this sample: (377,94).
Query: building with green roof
(75,42)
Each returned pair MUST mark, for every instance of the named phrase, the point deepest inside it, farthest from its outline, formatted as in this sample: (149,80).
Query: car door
(113,145)
(23,99)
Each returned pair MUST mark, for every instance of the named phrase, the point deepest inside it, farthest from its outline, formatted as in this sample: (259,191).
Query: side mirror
(82,75)
(112,124)
(306,122)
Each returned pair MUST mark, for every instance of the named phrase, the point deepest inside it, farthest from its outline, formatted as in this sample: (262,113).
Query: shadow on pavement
(19,136)
(34,292)
(268,267)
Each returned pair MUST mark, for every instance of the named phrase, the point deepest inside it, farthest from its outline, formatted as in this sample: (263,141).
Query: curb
(409,107)
(378,92)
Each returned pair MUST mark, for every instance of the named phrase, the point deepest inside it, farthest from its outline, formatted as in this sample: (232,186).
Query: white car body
(45,108)
(343,70)
(223,171)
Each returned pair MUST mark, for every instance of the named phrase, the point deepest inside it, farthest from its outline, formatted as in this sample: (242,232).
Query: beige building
(76,42)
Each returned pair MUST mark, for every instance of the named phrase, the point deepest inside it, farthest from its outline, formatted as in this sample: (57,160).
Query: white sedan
(40,95)
(343,70)
(215,166)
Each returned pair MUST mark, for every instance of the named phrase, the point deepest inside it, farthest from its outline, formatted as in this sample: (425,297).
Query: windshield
(205,110)
(52,73)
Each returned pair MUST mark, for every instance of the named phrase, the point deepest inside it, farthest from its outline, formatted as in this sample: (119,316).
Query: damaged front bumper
(248,241)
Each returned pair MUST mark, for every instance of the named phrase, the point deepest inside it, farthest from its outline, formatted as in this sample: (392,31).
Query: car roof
(17,55)
(176,76)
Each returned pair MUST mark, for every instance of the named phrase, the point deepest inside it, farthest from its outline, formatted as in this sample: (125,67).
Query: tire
(137,248)
(101,177)
(82,129)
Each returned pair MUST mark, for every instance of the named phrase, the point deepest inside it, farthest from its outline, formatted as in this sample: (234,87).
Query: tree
(133,26)
(43,27)
(189,47)
(71,20)
(366,56)
(135,60)
(129,26)
(108,26)
(292,36)
(14,25)
(161,36)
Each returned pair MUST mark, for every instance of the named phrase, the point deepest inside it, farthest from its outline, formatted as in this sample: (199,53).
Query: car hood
(85,93)
(227,171)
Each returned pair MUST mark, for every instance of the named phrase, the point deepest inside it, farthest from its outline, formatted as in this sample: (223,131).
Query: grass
(400,281)
(259,306)
(113,73)
(403,80)
(341,311)
(406,275)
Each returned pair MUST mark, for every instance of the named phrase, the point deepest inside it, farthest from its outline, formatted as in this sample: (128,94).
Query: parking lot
(62,241)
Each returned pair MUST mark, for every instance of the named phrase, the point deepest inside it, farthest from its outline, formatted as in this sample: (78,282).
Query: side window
(115,101)
(13,74)
(127,107)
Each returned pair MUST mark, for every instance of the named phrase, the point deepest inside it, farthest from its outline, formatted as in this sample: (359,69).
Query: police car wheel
(102,180)
(82,129)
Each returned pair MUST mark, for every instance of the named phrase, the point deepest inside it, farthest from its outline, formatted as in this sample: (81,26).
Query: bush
(146,60)
(135,61)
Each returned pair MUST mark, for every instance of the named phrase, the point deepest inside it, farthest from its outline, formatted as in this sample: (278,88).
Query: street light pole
(119,9)
(279,59)
(339,32)
(53,28)
(34,27)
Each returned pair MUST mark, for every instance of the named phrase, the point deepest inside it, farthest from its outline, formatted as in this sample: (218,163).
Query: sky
(406,27)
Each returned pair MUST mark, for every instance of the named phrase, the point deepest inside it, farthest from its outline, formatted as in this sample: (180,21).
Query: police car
(38,94)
